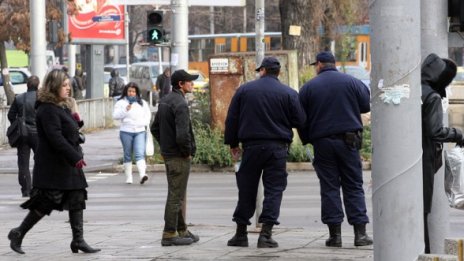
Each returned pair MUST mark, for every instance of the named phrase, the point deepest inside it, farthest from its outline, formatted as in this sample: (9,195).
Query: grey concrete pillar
(396,130)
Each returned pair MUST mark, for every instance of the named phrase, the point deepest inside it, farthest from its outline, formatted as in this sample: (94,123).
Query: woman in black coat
(59,181)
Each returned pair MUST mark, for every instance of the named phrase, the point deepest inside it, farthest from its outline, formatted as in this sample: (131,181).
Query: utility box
(228,71)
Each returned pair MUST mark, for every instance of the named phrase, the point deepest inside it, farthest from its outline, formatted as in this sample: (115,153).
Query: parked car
(18,81)
(202,83)
(357,72)
(145,74)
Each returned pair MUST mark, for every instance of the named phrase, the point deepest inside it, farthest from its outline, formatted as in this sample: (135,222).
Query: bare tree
(307,15)
(15,21)
(231,19)
(320,22)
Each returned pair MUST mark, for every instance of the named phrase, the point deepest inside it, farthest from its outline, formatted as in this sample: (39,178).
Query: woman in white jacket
(134,114)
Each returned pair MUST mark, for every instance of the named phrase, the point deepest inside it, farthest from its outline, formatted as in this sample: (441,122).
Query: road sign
(106,18)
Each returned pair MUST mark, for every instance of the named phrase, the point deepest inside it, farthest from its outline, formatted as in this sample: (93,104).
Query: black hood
(438,73)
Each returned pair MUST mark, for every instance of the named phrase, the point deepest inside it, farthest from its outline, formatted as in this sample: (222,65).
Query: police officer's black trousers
(269,159)
(339,165)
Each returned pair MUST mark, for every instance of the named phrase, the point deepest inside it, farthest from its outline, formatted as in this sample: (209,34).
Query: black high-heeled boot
(78,242)
(17,234)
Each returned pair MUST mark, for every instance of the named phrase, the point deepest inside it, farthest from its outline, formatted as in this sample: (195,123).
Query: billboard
(96,22)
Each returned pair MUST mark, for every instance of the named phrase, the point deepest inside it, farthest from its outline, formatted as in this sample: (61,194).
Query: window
(17,77)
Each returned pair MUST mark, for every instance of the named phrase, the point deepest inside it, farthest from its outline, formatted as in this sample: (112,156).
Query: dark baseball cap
(269,63)
(182,75)
(324,57)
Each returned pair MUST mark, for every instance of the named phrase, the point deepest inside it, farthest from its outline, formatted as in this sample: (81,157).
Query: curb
(291,167)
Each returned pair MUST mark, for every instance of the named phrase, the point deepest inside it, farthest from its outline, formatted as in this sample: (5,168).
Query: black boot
(265,237)
(335,239)
(360,236)
(78,242)
(16,235)
(240,238)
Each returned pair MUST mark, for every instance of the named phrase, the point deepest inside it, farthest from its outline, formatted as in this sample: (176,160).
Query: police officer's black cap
(324,57)
(182,75)
(269,63)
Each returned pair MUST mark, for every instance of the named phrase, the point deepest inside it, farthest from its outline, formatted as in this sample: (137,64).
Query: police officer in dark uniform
(261,116)
(333,102)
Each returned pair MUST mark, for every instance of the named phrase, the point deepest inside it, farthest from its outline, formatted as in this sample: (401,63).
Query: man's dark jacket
(434,79)
(172,127)
(16,110)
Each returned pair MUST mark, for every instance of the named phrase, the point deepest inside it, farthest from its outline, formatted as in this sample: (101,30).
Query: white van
(145,74)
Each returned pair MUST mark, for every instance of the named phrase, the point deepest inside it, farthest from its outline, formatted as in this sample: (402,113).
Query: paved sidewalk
(135,235)
(126,222)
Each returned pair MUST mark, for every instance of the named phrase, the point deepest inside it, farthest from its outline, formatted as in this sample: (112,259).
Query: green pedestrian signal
(155,31)
(155,35)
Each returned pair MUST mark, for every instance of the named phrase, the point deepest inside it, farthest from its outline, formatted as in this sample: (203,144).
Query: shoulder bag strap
(24,106)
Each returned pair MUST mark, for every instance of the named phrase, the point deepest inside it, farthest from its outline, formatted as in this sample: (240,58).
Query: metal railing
(96,113)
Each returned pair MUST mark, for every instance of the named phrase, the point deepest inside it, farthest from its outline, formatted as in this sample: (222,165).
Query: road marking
(99,176)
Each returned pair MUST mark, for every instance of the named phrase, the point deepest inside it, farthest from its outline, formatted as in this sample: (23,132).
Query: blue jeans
(133,142)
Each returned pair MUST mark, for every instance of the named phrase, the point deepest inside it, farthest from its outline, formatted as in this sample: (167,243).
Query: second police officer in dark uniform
(261,116)
(333,102)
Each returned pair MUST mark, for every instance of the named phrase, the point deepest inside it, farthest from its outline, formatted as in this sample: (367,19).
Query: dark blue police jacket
(263,109)
(333,102)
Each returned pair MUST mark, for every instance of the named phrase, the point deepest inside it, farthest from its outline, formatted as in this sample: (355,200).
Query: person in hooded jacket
(59,181)
(436,74)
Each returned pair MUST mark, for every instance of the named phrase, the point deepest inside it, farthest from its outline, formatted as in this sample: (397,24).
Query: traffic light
(155,31)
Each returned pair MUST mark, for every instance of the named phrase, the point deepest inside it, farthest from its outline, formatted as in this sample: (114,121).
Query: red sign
(96,21)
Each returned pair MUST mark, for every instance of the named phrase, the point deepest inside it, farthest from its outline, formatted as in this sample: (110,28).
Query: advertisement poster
(96,21)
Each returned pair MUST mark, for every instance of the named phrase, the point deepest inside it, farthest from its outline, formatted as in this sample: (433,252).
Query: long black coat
(58,150)
(433,132)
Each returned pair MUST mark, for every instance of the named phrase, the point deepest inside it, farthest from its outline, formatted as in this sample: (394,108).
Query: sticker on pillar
(219,65)
(394,94)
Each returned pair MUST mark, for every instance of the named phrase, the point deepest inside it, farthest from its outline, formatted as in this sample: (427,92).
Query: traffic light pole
(126,29)
(179,35)
(260,46)
(38,60)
